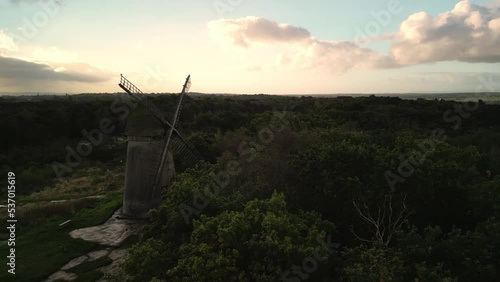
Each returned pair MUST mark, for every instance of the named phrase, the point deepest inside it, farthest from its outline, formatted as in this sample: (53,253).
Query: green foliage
(375,263)
(147,260)
(256,244)
(464,255)
(486,198)
(432,273)
(329,152)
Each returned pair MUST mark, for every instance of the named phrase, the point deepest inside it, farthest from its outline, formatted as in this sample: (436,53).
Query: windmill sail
(183,147)
(169,135)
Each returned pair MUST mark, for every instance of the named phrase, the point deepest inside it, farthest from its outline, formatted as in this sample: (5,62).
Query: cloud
(54,55)
(248,30)
(6,43)
(468,33)
(334,56)
(21,68)
(340,56)
(20,72)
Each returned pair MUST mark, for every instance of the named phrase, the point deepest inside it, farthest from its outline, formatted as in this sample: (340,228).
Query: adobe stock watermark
(40,19)
(311,263)
(455,117)
(380,20)
(221,7)
(121,107)
(247,152)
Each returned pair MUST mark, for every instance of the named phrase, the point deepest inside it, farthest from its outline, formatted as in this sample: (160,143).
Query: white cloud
(7,43)
(245,31)
(310,53)
(339,57)
(468,33)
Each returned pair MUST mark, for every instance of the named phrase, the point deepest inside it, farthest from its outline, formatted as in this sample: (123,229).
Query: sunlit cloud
(27,66)
(246,31)
(22,71)
(468,33)
(334,56)
(6,43)
(339,57)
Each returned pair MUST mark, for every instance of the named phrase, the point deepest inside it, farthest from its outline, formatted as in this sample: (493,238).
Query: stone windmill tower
(151,141)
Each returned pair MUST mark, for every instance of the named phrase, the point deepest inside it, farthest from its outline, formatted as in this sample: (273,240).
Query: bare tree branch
(384,226)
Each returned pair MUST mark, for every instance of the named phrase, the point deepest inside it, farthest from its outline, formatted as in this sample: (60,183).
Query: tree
(257,244)
(383,222)
(372,264)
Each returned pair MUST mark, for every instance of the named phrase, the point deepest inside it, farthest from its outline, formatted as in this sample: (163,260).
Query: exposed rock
(97,254)
(110,233)
(61,275)
(113,232)
(74,262)
(118,254)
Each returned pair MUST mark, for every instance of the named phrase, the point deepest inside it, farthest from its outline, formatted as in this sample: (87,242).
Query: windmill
(151,143)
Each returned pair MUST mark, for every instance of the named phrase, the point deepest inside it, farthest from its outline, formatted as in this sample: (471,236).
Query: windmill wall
(143,158)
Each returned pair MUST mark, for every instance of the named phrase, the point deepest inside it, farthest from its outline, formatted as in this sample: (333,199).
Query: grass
(37,208)
(43,249)
(104,210)
(37,213)
(84,182)
(93,275)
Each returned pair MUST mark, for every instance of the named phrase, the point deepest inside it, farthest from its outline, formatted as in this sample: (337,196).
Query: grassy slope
(44,249)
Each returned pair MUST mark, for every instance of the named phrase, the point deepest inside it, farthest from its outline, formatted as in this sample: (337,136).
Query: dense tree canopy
(281,172)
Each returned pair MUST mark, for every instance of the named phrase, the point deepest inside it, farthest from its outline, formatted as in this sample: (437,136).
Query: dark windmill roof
(142,122)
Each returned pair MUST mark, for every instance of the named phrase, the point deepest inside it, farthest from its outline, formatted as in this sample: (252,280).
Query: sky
(250,46)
